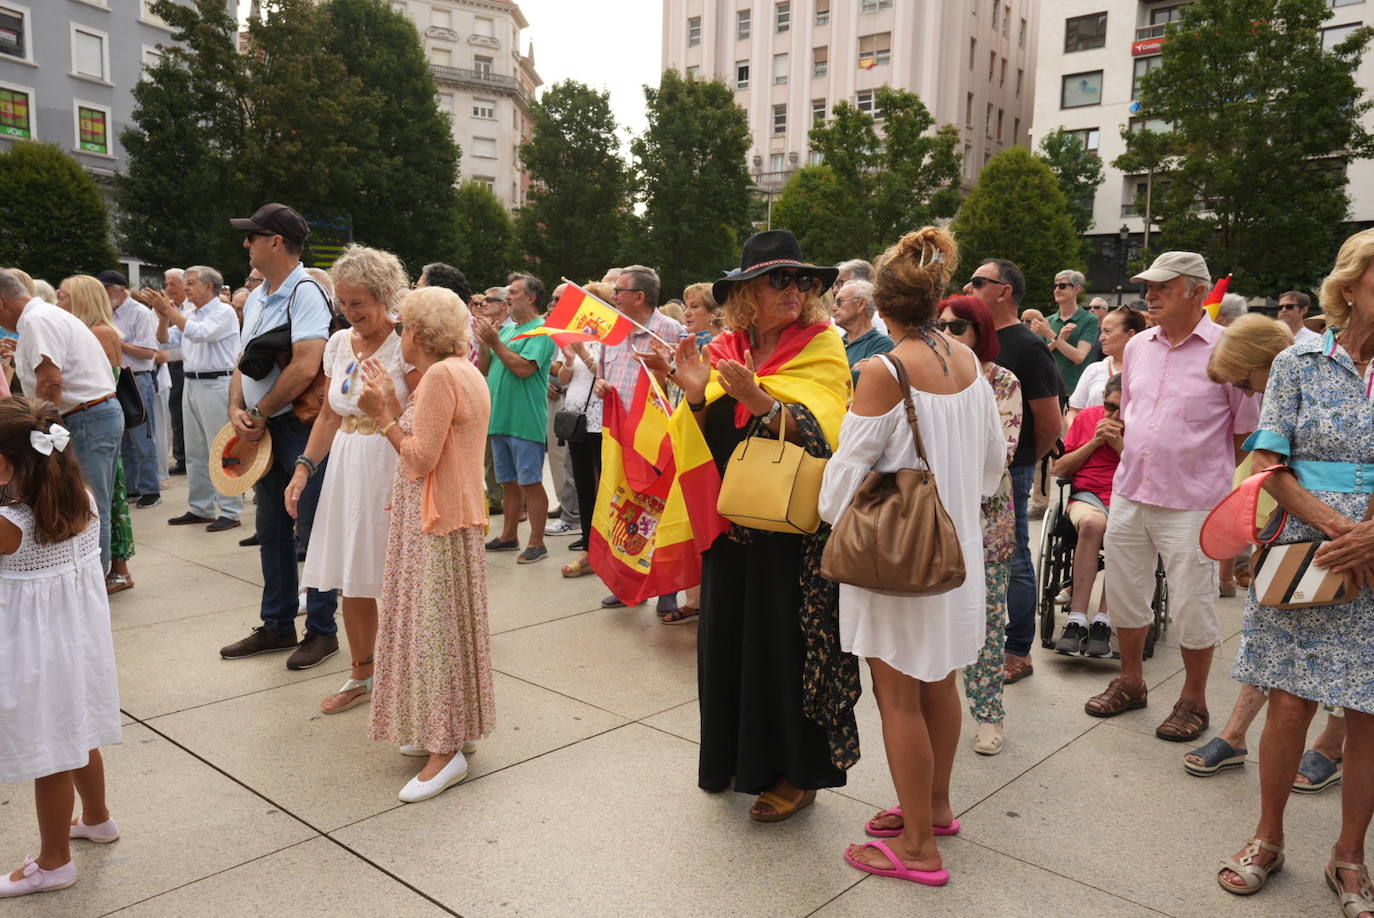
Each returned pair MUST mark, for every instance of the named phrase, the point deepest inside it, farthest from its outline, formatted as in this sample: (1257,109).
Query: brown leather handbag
(896,536)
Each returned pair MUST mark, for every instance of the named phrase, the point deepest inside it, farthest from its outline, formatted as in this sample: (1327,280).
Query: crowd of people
(318,386)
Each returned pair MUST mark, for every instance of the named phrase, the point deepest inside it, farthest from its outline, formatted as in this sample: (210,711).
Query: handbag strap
(905,383)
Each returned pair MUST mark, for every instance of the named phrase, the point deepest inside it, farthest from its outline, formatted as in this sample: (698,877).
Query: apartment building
(971,61)
(1092,56)
(484,82)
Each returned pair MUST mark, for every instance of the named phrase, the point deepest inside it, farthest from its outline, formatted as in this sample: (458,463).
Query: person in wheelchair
(1092,451)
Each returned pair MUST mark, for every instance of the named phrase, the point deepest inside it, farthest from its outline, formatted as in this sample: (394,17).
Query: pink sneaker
(101,834)
(36,879)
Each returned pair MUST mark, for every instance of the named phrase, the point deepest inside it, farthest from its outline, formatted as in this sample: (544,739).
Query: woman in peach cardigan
(432,692)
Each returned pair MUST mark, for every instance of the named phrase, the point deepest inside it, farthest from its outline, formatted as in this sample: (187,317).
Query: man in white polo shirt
(139,330)
(59,359)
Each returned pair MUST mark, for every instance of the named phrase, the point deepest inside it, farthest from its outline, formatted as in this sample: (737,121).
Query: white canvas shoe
(101,834)
(36,879)
(452,773)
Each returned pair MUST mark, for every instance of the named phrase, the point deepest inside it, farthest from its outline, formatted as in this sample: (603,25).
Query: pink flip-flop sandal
(874,832)
(898,870)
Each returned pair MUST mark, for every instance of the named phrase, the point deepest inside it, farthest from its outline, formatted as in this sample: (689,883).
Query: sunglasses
(1283,306)
(1062,286)
(955,327)
(781,280)
(978,283)
(1097,308)
(1111,406)
(254,235)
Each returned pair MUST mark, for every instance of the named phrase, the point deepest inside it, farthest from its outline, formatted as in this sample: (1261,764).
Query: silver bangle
(310,467)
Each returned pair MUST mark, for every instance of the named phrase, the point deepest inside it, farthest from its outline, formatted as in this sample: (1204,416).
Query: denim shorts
(516,459)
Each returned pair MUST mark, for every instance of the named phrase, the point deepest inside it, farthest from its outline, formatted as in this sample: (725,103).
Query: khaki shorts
(1136,534)
(1079,510)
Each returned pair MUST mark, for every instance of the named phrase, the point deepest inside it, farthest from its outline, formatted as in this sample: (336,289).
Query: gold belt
(359,424)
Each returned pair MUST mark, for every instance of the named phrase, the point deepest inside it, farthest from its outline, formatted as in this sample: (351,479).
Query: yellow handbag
(772,485)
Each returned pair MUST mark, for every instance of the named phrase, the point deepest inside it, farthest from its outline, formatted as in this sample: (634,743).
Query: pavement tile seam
(848,889)
(583,701)
(196,561)
(538,624)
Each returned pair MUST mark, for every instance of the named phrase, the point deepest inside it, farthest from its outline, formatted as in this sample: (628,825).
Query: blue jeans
(140,445)
(277,534)
(95,438)
(1021,591)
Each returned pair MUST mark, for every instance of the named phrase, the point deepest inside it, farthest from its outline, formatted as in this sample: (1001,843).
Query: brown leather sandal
(1185,723)
(1117,699)
(1016,668)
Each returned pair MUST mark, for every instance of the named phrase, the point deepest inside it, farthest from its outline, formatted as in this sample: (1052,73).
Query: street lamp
(1123,240)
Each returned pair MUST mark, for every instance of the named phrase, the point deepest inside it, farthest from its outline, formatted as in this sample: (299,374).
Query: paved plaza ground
(237,797)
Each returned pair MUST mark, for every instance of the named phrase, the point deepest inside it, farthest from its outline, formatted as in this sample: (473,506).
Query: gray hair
(1196,281)
(1232,306)
(207,276)
(857,268)
(44,291)
(321,276)
(12,288)
(533,286)
(644,280)
(1074,277)
(178,273)
(496,293)
(863,289)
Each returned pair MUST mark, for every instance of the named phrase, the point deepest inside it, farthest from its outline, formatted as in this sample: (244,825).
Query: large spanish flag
(579,311)
(1213,301)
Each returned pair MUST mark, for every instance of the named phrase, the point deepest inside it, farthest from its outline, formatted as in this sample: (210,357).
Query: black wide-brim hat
(764,252)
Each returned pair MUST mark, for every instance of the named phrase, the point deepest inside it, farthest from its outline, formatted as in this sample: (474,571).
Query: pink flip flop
(898,870)
(873,832)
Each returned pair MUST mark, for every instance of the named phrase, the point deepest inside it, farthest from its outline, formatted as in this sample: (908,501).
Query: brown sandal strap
(1186,719)
(1115,697)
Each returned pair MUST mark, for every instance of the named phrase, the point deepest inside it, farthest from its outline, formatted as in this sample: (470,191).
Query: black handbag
(130,399)
(571,426)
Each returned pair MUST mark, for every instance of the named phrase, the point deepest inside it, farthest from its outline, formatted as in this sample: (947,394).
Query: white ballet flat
(101,834)
(468,749)
(455,772)
(36,879)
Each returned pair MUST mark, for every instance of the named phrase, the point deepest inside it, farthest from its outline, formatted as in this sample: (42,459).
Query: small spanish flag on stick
(1213,301)
(580,312)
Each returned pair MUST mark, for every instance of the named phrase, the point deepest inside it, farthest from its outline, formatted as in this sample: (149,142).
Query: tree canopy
(53,220)
(485,249)
(1078,170)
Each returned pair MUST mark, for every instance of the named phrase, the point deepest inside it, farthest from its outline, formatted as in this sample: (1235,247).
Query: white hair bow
(57,438)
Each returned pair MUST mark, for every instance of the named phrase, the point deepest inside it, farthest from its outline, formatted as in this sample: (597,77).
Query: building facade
(1092,56)
(484,83)
(971,61)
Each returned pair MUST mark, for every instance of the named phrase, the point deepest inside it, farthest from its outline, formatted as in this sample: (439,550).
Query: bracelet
(310,467)
(696,406)
(385,430)
(768,416)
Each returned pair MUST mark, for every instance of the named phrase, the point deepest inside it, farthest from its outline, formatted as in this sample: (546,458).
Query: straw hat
(235,464)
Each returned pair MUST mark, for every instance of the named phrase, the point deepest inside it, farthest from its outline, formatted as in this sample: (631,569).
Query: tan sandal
(782,807)
(1253,875)
(1353,904)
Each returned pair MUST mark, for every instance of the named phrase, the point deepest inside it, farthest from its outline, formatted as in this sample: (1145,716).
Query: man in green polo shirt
(1072,331)
(518,379)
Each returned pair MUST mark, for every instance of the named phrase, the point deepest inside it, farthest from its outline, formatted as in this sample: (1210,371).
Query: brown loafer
(1117,699)
(1016,668)
(1186,722)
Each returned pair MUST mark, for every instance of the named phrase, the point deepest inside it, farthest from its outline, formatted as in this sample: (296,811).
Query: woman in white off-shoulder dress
(914,644)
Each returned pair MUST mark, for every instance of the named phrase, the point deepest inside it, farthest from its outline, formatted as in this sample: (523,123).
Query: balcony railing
(484,79)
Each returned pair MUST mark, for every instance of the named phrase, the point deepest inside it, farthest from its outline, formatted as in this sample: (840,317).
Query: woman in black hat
(776,693)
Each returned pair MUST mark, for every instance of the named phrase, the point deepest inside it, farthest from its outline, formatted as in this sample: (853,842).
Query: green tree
(573,221)
(486,250)
(53,221)
(406,198)
(1258,125)
(692,173)
(902,179)
(1078,170)
(820,213)
(1017,212)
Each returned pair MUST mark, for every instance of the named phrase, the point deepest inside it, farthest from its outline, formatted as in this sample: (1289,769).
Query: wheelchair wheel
(1159,606)
(1047,579)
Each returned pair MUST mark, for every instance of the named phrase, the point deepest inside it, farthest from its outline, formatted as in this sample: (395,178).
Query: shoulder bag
(571,426)
(772,485)
(896,536)
(1286,577)
(129,398)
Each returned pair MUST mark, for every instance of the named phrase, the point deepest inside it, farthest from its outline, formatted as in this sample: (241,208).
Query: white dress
(348,540)
(925,637)
(59,695)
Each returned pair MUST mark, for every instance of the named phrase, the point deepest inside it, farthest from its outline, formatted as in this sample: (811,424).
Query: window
(780,119)
(16,112)
(484,108)
(777,162)
(1000,116)
(89,54)
(440,18)
(92,128)
(14,33)
(484,26)
(996,11)
(1143,65)
(482,65)
(817,112)
(1002,77)
(441,56)
(968,112)
(864,102)
(1006,21)
(151,57)
(1021,37)
(486,181)
(1079,89)
(814,158)
(987,122)
(484,147)
(1342,2)
(1158,125)
(876,48)
(1083,33)
(693,31)
(741,74)
(1089,137)
(784,17)
(694,72)
(743,24)
(399,7)
(1167,15)
(822,12)
(992,64)
(872,6)
(145,10)
(781,67)
(446,102)
(1016,131)
(1334,35)
(820,62)
(1020,81)
(972,51)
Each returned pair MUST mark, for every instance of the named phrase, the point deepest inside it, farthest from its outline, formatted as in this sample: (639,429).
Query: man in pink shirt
(1178,458)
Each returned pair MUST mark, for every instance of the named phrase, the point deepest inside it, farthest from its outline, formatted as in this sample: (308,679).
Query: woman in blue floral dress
(1318,418)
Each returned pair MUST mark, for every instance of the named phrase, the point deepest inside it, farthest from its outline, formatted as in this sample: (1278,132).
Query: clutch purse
(772,485)
(1286,577)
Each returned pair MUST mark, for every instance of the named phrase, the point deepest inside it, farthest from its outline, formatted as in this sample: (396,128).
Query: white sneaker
(102,834)
(455,772)
(415,751)
(36,879)
(1064,598)
(561,528)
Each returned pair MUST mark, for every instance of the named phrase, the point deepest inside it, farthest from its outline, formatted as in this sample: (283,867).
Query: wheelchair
(1054,572)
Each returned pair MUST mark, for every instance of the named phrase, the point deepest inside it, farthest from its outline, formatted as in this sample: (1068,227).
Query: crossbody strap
(905,384)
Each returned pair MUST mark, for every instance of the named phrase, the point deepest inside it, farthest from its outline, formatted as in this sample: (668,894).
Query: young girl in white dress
(59,698)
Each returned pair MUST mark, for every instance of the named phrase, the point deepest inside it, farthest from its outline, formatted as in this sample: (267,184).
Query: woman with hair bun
(915,644)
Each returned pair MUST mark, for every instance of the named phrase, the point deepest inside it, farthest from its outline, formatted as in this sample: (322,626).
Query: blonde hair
(440,319)
(379,273)
(89,302)
(701,291)
(1249,343)
(602,291)
(911,276)
(673,311)
(741,307)
(1351,262)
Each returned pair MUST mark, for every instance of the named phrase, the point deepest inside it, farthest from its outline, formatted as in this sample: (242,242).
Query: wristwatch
(767,417)
(254,413)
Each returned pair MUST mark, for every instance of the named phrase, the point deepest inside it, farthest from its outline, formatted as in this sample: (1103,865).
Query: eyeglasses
(781,280)
(978,283)
(255,235)
(1097,308)
(1283,306)
(619,290)
(954,326)
(1062,286)
(1113,407)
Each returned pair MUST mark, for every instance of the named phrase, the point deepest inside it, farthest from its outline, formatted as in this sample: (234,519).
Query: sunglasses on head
(954,326)
(781,280)
(978,283)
